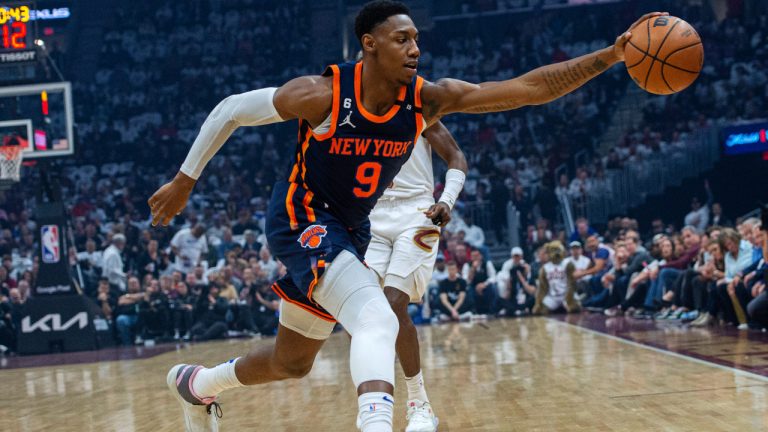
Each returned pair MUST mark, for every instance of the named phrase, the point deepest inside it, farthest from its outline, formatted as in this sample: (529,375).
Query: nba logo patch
(49,242)
(312,236)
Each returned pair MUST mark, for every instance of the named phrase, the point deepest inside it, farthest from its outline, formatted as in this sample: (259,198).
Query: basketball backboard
(39,117)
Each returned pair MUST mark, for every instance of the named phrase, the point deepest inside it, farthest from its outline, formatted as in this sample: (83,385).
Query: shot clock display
(17,33)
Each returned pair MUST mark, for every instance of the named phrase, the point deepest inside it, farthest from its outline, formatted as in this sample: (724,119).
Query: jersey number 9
(368,178)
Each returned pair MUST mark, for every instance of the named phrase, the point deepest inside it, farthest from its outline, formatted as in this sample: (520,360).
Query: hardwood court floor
(532,374)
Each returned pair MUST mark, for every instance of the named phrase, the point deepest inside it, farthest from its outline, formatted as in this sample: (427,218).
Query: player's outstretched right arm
(307,97)
(539,86)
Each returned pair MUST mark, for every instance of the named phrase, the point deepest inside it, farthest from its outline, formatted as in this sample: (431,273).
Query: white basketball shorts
(404,244)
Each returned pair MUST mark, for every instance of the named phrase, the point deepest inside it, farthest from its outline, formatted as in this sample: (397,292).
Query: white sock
(416,388)
(211,382)
(375,411)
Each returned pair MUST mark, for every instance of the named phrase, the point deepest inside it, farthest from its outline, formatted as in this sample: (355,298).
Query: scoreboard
(18,32)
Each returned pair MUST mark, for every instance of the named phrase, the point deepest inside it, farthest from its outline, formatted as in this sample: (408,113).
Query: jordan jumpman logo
(347,121)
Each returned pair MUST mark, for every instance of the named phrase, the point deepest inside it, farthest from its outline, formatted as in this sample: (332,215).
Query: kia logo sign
(52,323)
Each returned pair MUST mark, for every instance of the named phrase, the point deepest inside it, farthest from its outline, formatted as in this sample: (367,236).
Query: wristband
(454,182)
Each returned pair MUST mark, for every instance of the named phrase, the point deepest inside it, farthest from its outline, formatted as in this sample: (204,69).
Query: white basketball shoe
(200,414)
(420,417)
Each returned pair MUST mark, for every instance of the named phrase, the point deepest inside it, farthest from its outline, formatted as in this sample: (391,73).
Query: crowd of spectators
(695,276)
(209,274)
(206,284)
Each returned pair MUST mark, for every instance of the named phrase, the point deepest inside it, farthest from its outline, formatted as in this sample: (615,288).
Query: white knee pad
(350,292)
(374,327)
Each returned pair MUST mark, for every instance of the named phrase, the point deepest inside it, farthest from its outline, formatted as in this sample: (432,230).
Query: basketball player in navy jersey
(357,126)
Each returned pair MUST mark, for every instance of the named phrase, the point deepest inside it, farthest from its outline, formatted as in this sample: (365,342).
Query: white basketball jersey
(415,178)
(558,284)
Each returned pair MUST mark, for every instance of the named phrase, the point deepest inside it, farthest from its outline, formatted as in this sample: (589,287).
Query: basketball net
(10,162)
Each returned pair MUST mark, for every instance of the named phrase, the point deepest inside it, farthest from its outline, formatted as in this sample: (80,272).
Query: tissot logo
(52,323)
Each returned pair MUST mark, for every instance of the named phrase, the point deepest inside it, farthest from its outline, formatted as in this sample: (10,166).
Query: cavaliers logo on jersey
(426,239)
(312,236)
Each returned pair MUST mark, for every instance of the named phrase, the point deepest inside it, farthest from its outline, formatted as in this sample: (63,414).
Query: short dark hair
(375,13)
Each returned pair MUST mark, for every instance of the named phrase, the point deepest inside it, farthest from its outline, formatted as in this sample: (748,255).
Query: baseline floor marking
(667,352)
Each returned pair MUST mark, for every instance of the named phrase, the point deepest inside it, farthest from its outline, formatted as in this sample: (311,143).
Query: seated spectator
(182,304)
(726,299)
(746,283)
(454,302)
(6,281)
(154,312)
(718,219)
(637,259)
(601,300)
(210,315)
(757,309)
(189,246)
(227,290)
(756,238)
(127,313)
(251,246)
(460,254)
(151,261)
(579,260)
(705,285)
(106,299)
(509,282)
(268,264)
(662,284)
(265,305)
(480,276)
(432,298)
(11,312)
(582,232)
(226,245)
(244,223)
(600,256)
(662,250)
(539,234)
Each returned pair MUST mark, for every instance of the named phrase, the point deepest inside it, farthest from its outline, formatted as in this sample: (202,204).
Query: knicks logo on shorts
(312,236)
(425,239)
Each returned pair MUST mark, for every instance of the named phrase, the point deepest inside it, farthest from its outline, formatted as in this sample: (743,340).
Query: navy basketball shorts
(305,237)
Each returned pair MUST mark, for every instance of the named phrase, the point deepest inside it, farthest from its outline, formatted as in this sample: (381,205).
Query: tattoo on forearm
(599,65)
(504,106)
(567,77)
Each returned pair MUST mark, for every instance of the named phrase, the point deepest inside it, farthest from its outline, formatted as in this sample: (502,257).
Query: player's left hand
(621,41)
(170,199)
(439,213)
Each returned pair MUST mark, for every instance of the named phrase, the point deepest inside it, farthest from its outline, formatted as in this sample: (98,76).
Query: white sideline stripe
(669,353)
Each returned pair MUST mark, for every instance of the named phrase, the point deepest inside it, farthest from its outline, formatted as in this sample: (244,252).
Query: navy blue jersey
(346,169)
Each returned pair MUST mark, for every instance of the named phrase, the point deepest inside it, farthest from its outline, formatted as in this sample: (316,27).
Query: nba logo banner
(49,236)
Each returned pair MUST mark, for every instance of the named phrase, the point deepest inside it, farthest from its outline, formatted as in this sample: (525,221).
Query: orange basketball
(665,55)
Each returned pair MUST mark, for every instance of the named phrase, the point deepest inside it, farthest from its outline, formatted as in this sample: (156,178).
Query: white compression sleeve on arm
(254,108)
(454,182)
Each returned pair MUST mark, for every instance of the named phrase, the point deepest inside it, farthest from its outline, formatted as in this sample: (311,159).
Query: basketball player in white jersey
(403,250)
